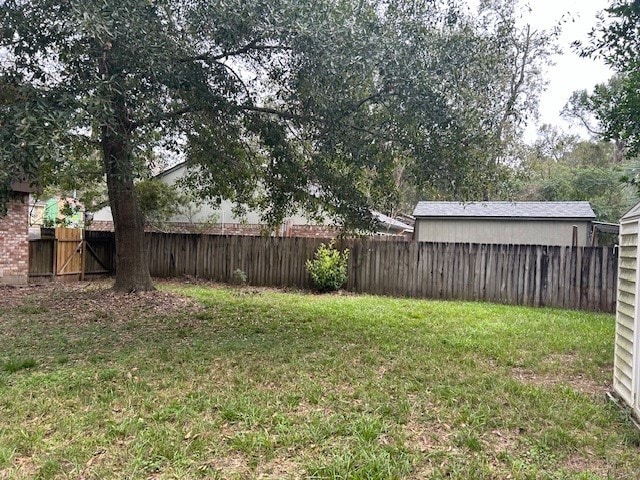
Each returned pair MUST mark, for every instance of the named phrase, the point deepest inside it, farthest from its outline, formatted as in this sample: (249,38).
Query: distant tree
(493,74)
(616,39)
(596,111)
(158,201)
(560,167)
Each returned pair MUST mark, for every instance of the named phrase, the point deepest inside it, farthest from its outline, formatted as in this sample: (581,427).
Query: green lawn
(197,381)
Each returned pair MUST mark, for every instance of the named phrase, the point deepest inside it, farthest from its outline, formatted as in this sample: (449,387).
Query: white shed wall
(501,231)
(626,363)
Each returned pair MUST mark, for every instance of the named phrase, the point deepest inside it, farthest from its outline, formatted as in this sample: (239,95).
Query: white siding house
(516,223)
(224,212)
(626,362)
(221,218)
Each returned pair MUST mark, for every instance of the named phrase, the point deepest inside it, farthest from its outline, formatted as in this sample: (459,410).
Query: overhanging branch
(271,111)
(161,117)
(252,46)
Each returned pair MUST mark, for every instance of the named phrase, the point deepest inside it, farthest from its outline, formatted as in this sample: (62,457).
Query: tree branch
(156,119)
(249,47)
(517,80)
(237,77)
(270,111)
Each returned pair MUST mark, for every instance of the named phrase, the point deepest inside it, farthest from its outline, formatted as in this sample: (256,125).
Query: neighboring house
(57,211)
(530,223)
(221,219)
(626,359)
(14,242)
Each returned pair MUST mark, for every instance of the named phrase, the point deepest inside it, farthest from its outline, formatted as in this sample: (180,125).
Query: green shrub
(239,277)
(328,268)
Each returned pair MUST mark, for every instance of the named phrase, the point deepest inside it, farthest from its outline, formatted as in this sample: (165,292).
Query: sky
(570,72)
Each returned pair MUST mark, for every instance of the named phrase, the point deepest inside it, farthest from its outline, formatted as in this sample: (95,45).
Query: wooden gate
(70,254)
(99,253)
(69,251)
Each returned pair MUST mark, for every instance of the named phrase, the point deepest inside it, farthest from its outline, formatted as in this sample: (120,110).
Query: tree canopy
(278,104)
(560,166)
(616,105)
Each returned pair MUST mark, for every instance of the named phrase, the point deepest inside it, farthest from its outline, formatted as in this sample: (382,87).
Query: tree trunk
(132,264)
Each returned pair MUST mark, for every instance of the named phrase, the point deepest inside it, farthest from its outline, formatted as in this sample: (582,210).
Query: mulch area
(83,298)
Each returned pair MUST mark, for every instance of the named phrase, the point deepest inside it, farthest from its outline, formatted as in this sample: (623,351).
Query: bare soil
(89,300)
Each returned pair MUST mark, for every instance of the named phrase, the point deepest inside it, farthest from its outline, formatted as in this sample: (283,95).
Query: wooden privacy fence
(266,261)
(567,277)
(70,254)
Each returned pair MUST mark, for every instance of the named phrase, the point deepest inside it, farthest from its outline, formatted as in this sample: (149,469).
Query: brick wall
(14,242)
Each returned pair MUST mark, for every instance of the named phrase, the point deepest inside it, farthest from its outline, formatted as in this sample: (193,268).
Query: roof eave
(21,187)
(475,217)
(166,172)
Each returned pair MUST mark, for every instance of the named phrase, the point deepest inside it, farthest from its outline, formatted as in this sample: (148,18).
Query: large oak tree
(279,104)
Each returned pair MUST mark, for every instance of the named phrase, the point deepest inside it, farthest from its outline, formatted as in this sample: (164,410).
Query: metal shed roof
(557,210)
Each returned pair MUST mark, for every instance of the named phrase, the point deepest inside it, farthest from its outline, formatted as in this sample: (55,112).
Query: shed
(518,223)
(626,361)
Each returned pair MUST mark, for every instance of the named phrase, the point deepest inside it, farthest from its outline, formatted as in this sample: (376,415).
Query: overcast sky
(570,72)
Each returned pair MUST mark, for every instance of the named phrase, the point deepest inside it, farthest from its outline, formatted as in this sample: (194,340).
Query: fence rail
(567,277)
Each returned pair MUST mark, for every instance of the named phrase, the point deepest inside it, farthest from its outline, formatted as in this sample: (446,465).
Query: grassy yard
(197,381)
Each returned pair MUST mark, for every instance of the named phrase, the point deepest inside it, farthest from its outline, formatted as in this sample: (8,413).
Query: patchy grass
(13,365)
(221,383)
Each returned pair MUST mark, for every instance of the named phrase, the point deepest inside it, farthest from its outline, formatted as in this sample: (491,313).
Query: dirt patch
(92,301)
(23,467)
(427,437)
(592,464)
(423,471)
(503,440)
(556,371)
(278,469)
(230,465)
(580,383)
(11,297)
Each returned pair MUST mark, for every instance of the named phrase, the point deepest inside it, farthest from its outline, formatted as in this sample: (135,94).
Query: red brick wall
(14,242)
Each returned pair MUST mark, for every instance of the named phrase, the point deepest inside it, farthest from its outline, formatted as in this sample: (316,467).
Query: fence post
(54,269)
(83,257)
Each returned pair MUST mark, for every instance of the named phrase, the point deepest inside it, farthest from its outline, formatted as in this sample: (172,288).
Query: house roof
(177,166)
(525,210)
(391,223)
